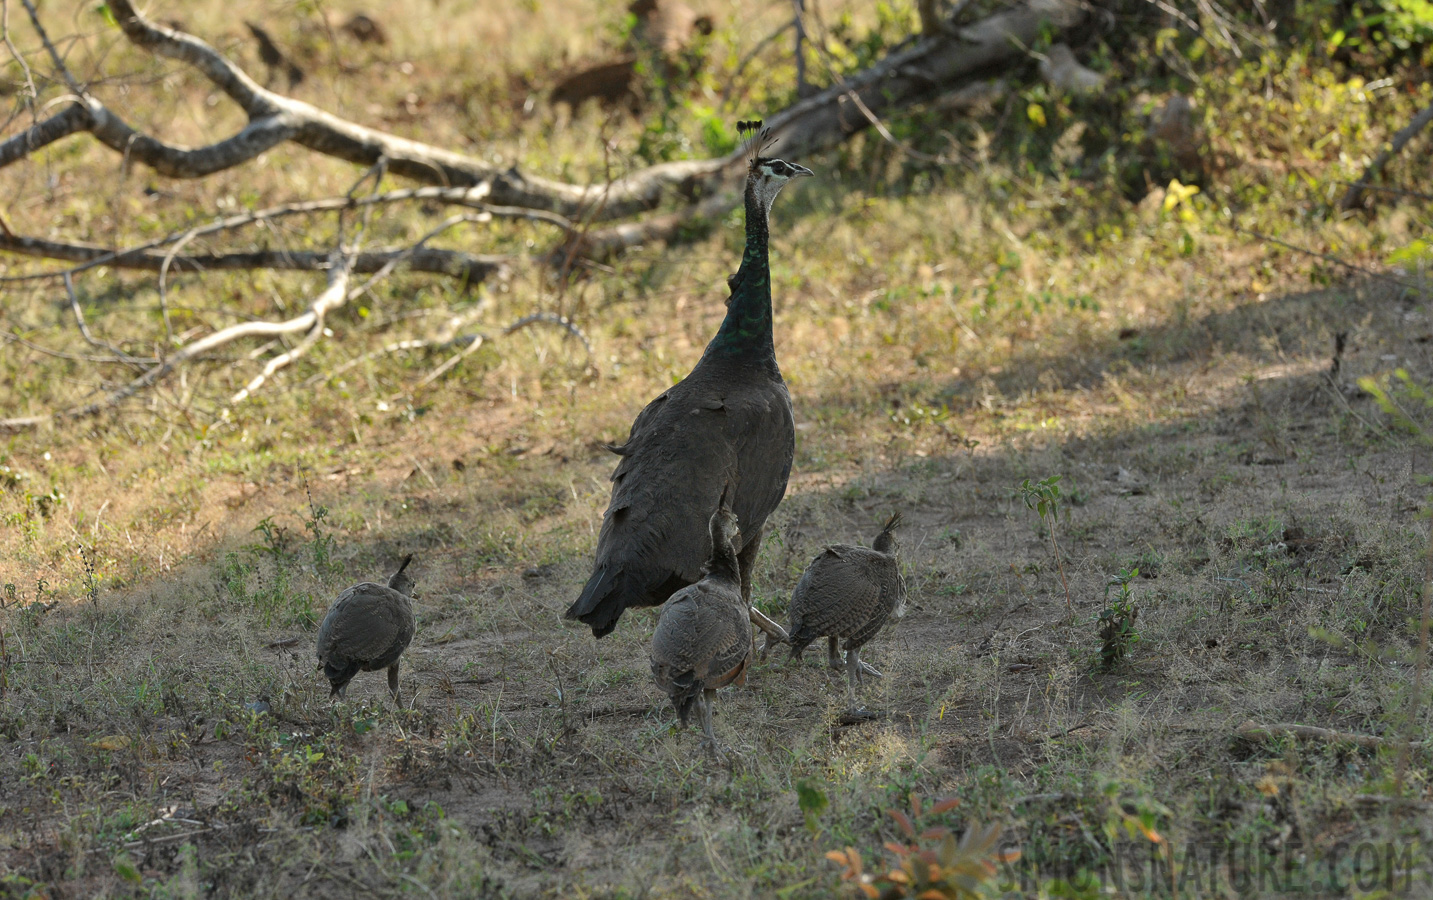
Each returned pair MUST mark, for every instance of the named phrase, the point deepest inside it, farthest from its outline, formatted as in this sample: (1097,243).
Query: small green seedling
(813,802)
(1044,497)
(1116,621)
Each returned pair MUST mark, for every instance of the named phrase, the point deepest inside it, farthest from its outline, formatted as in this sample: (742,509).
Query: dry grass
(943,342)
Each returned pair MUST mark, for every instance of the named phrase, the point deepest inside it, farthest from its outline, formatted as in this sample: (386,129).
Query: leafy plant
(1044,497)
(1116,620)
(276,538)
(322,544)
(92,585)
(813,803)
(934,865)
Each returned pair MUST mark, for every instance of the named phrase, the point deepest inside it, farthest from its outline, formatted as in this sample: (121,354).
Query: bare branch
(1354,196)
(470,197)
(809,126)
(826,119)
(332,296)
(85,328)
(469,267)
(1352,267)
(468,343)
(74,119)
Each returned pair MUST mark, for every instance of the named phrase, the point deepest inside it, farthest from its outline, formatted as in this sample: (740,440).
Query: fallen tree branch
(274,119)
(469,197)
(454,263)
(1352,267)
(332,296)
(1354,195)
(824,120)
(468,343)
(810,126)
(1253,731)
(90,339)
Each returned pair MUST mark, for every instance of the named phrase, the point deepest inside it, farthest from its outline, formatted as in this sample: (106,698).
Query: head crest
(757,137)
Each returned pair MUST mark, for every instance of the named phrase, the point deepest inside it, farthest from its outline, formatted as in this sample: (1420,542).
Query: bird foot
(839,664)
(766,646)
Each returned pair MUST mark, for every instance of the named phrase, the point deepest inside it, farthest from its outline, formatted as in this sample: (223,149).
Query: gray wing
(703,638)
(365,624)
(727,634)
(885,573)
(684,448)
(764,456)
(836,595)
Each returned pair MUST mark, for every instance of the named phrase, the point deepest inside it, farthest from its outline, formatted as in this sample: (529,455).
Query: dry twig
(1354,196)
(1254,731)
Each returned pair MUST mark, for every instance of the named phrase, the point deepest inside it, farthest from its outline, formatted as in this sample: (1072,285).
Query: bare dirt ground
(949,333)
(1272,515)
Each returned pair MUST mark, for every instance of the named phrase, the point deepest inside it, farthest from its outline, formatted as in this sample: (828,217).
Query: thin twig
(85,328)
(332,298)
(470,197)
(452,263)
(1253,731)
(31,92)
(58,60)
(338,282)
(1386,189)
(474,341)
(1353,267)
(1405,134)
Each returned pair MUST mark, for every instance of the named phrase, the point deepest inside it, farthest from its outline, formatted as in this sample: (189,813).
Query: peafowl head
(886,542)
(724,530)
(767,175)
(401,581)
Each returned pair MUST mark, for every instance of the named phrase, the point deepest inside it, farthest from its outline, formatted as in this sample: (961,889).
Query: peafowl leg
(746,561)
(704,713)
(853,677)
(833,657)
(393,683)
(854,669)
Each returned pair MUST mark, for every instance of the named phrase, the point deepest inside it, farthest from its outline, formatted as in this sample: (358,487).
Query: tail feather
(684,691)
(612,590)
(600,604)
(339,673)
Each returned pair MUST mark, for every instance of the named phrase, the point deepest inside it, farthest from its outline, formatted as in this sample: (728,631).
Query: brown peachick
(367,629)
(703,637)
(848,592)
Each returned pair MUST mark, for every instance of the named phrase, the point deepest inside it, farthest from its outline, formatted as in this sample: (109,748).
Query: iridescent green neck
(746,330)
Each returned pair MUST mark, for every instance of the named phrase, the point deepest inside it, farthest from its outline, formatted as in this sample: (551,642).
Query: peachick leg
(853,675)
(704,713)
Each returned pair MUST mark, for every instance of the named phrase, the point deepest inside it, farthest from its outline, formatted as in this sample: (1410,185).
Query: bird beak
(802,170)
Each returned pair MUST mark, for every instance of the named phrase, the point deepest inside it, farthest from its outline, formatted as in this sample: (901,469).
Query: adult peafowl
(729,421)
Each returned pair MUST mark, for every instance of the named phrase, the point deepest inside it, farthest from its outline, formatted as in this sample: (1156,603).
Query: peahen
(729,421)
